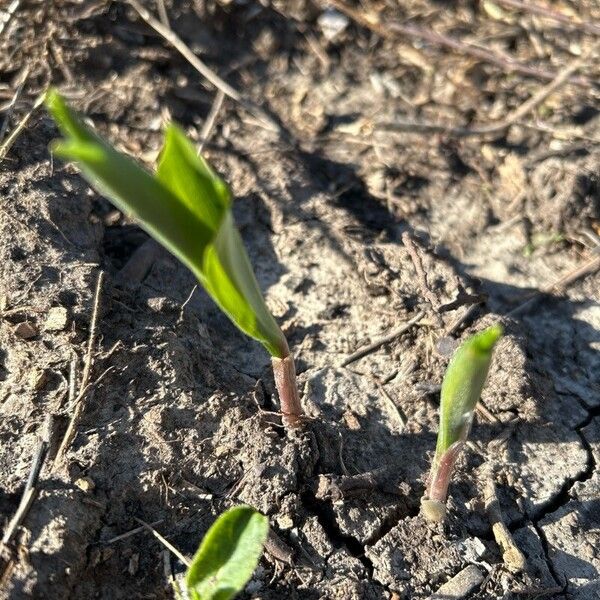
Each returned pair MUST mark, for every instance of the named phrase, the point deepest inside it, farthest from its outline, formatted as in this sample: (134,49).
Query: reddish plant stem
(441,472)
(284,372)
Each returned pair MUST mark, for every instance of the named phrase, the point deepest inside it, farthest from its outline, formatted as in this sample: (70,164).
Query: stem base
(284,372)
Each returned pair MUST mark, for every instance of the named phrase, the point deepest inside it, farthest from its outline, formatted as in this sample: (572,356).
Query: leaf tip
(486,340)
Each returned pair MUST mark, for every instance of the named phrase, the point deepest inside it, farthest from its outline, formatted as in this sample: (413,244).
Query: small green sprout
(187,208)
(228,555)
(461,389)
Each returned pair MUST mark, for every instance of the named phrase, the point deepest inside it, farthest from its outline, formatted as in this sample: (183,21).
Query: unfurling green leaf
(185,206)
(227,555)
(462,385)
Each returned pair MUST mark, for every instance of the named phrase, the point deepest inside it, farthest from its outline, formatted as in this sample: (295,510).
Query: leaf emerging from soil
(227,555)
(185,206)
(462,385)
(461,389)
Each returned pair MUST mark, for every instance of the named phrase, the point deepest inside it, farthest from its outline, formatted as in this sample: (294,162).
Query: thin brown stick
(211,119)
(395,30)
(77,408)
(589,266)
(186,561)
(385,339)
(398,412)
(512,556)
(9,108)
(131,532)
(172,38)
(89,356)
(24,505)
(72,381)
(30,490)
(14,134)
(550,13)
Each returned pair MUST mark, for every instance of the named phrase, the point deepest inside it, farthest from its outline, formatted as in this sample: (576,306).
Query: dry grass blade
(10,139)
(84,385)
(211,119)
(7,14)
(186,561)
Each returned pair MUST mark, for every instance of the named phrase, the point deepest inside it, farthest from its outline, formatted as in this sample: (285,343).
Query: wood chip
(85,483)
(25,330)
(461,585)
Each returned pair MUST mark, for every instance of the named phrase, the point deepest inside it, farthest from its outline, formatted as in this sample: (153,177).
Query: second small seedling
(461,389)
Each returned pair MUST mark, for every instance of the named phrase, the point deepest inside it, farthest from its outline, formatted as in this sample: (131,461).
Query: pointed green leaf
(186,207)
(227,555)
(462,385)
(131,188)
(190,178)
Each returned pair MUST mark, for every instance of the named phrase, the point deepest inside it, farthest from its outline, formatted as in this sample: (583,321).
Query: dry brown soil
(180,421)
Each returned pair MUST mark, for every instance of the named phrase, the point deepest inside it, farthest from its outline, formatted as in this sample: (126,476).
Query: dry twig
(589,266)
(77,408)
(211,119)
(511,555)
(414,253)
(10,140)
(172,38)
(30,491)
(385,339)
(186,561)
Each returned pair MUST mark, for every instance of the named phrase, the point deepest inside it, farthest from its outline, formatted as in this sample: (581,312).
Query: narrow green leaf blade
(232,255)
(228,274)
(191,179)
(227,555)
(462,385)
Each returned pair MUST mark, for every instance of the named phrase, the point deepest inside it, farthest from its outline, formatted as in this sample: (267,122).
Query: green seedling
(187,208)
(228,555)
(461,389)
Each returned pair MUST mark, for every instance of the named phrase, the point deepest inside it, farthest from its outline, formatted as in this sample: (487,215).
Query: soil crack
(326,517)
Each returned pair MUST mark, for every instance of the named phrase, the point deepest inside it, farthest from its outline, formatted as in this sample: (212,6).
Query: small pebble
(57,319)
(37,379)
(332,23)
(285,522)
(85,483)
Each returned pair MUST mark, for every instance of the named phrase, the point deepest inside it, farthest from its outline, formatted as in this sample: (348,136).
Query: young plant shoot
(187,208)
(227,555)
(461,389)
